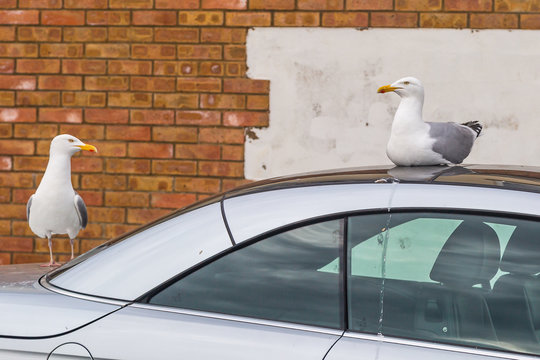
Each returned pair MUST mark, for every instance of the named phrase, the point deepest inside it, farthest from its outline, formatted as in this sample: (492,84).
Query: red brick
(60,115)
(42,4)
(211,68)
(22,17)
(38,66)
(18,50)
(38,98)
(369,4)
(174,134)
(107,50)
(131,4)
(419,5)
(388,19)
(114,230)
(84,98)
(156,18)
(236,69)
(108,18)
(106,116)
(153,84)
(221,135)
(61,50)
(229,184)
(248,19)
(271,4)
(91,230)
(150,183)
(200,18)
(59,82)
(91,198)
(297,18)
(530,21)
(223,35)
(130,67)
(6,164)
(85,4)
(468,5)
(86,132)
(16,147)
(86,164)
(128,99)
(137,133)
(221,168)
(199,84)
(131,34)
(320,4)
(7,33)
(200,52)
(494,21)
(62,17)
(23,258)
(127,199)
(85,34)
(172,201)
(16,244)
(128,166)
(177,4)
(7,4)
(517,6)
(443,20)
(111,148)
(223,101)
(17,115)
(7,66)
(70,66)
(19,180)
(177,35)
(33,131)
(104,182)
(181,68)
(178,100)
(224,4)
(202,118)
(21,196)
(232,152)
(152,117)
(198,151)
(17,82)
(29,163)
(6,131)
(258,102)
(39,34)
(153,51)
(7,98)
(109,83)
(246,86)
(197,184)
(345,19)
(142,216)
(245,118)
(150,150)
(235,52)
(106,214)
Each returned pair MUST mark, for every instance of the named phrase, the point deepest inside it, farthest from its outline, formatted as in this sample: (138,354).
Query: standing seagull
(56,208)
(414,142)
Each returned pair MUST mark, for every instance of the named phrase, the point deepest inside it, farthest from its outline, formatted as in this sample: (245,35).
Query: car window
(276,278)
(454,278)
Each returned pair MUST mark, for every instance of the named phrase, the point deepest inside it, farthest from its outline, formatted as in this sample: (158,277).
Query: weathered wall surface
(160,87)
(325,112)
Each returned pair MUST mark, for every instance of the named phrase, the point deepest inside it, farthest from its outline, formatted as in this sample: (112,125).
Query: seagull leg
(71,243)
(51,262)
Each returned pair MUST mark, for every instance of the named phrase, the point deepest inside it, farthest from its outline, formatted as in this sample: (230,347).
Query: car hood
(29,310)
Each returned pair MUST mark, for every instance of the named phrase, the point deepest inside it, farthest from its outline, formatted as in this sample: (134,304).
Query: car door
(443,285)
(269,298)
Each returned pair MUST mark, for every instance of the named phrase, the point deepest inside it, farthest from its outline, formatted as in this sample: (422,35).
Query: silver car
(379,263)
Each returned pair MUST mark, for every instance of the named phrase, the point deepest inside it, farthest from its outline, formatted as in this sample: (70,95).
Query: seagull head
(406,87)
(69,144)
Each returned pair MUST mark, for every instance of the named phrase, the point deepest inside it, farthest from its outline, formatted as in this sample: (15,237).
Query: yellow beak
(88,147)
(387,88)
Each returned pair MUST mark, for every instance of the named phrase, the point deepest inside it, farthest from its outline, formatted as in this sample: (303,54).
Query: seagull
(414,142)
(55,208)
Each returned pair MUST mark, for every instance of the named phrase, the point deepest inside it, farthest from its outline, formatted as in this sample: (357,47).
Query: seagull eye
(71,140)
(406,83)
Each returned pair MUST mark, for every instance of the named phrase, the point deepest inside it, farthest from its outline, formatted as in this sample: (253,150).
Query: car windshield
(128,268)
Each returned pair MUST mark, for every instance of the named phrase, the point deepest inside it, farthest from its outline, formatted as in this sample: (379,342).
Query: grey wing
(81,210)
(452,141)
(28,206)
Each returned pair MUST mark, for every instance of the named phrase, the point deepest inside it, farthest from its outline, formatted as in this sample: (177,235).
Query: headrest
(470,256)
(522,254)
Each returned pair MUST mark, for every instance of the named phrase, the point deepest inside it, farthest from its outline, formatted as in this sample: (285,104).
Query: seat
(456,309)
(515,300)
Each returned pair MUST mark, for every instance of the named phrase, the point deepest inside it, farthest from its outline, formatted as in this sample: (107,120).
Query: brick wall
(160,87)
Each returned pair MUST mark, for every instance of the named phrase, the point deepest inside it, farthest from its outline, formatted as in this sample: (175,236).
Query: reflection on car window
(452,278)
(276,278)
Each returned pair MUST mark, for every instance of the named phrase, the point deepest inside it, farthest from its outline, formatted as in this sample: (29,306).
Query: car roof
(511,177)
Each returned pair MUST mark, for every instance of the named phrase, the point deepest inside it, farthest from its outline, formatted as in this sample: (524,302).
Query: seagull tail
(475,126)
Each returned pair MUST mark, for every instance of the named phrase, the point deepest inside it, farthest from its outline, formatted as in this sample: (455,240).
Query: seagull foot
(50,264)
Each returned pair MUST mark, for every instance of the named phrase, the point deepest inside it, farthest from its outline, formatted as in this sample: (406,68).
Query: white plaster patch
(26,85)
(9,115)
(325,112)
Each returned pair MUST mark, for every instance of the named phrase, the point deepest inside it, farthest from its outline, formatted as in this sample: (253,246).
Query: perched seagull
(56,208)
(414,142)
